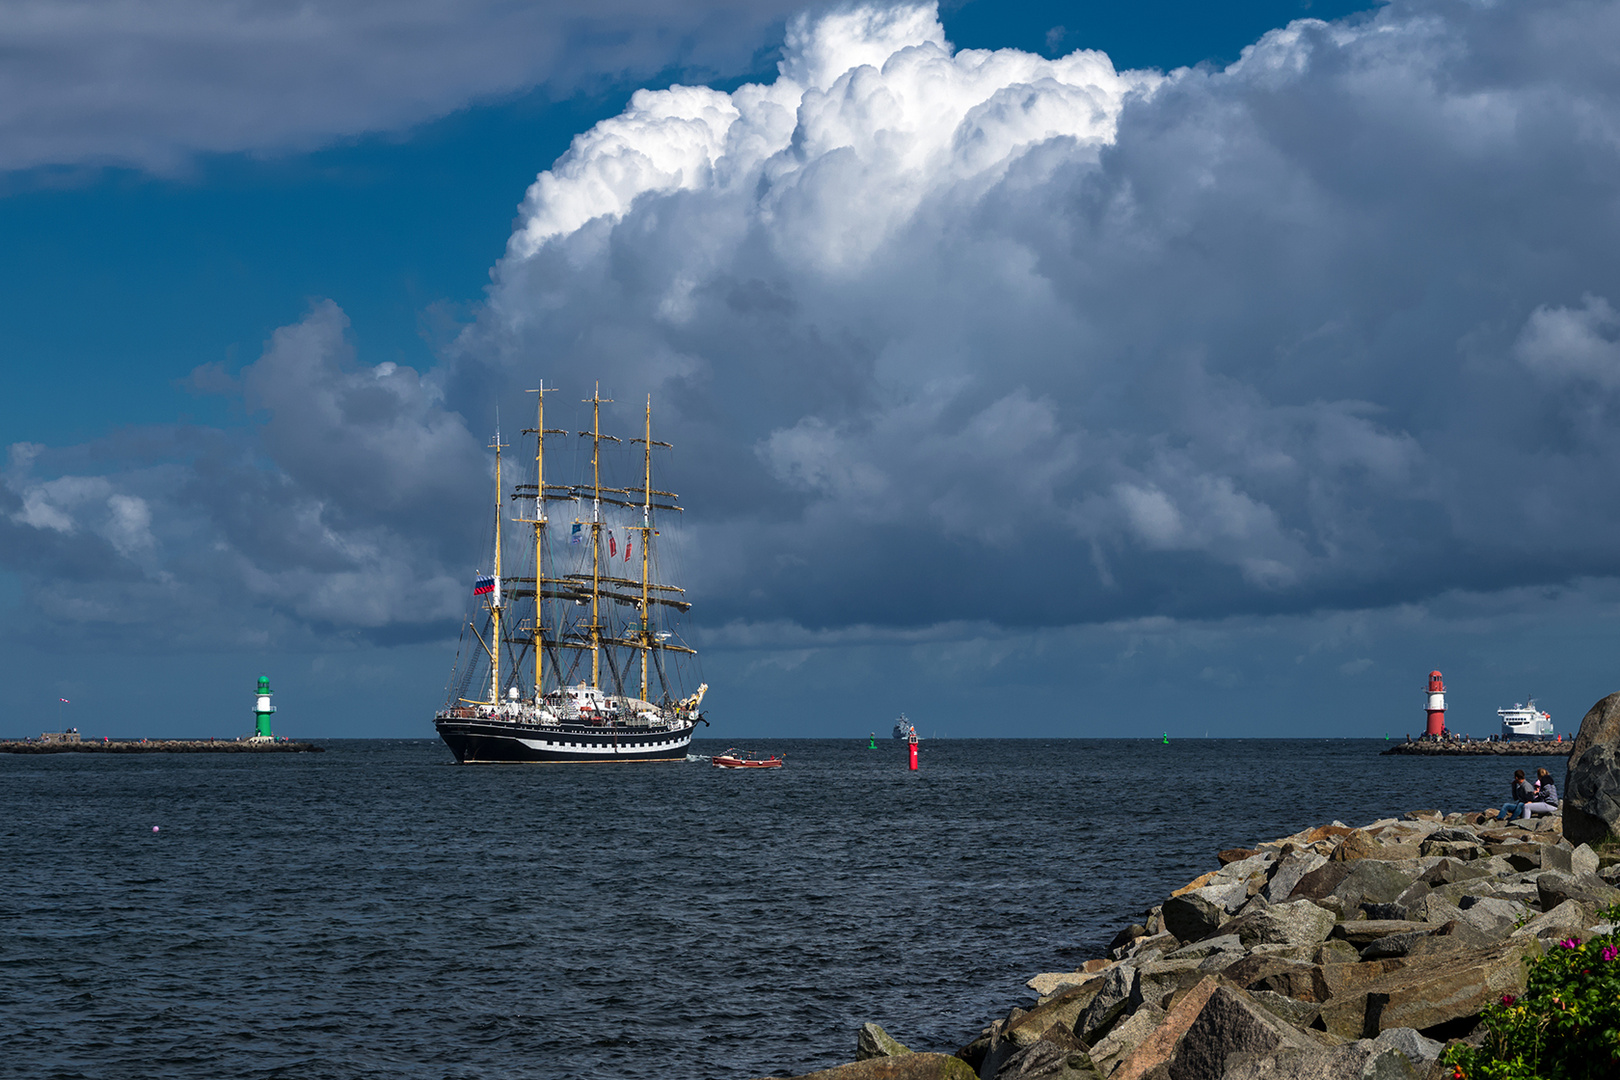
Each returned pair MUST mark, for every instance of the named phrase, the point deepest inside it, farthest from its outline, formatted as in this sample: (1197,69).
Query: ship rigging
(572,600)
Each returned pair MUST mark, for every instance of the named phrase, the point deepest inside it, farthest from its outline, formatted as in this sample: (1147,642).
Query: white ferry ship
(1526,722)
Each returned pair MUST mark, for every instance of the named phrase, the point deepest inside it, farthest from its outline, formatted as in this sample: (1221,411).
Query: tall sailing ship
(577,657)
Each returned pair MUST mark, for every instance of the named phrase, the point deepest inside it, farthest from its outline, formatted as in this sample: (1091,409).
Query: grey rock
(1395,944)
(1050,1059)
(1231,1025)
(1410,1042)
(1519,892)
(1200,949)
(1193,915)
(1296,1012)
(1592,781)
(1371,881)
(1321,882)
(1577,860)
(1566,920)
(1363,1060)
(1555,887)
(1335,952)
(1144,949)
(1491,915)
(1298,922)
(1287,871)
(874,1042)
(1104,1010)
(1436,909)
(1155,982)
(1451,871)
(1127,1035)
(1364,932)
(1454,849)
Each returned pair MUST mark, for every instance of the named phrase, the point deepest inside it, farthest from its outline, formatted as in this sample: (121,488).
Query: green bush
(1565,1026)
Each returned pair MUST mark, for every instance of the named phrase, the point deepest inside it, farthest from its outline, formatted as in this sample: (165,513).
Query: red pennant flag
(613,549)
(628,544)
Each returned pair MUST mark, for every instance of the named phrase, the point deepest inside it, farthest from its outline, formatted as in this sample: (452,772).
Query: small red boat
(741,759)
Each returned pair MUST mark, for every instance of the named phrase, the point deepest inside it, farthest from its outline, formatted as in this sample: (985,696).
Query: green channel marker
(262,710)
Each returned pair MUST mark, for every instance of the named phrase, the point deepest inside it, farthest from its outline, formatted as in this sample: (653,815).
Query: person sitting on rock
(1522,793)
(1546,795)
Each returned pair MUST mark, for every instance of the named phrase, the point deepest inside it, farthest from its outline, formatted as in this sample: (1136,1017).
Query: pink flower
(1610,952)
(1570,943)
(1508,999)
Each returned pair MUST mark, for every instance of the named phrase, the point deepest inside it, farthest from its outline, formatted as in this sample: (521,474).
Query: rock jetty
(1520,747)
(156,746)
(1335,952)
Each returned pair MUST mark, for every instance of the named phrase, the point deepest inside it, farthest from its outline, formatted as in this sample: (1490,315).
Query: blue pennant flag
(574,536)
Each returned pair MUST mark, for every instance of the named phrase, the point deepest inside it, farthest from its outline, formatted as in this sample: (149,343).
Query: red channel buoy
(913,741)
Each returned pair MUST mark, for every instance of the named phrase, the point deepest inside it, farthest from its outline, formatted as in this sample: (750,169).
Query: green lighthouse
(262,710)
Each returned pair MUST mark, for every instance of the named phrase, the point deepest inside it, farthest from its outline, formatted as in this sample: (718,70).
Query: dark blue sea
(378,911)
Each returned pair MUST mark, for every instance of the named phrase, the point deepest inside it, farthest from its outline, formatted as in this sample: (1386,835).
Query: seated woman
(1522,793)
(1546,796)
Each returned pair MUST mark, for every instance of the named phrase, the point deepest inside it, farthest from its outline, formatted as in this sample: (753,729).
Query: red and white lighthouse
(1437,706)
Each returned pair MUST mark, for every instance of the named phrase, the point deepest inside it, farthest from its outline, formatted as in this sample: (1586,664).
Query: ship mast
(646,547)
(596,402)
(539,537)
(495,597)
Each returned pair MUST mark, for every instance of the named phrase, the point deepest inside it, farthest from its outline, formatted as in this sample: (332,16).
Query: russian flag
(483,583)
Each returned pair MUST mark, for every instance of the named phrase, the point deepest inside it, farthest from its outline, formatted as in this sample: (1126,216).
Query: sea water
(378,911)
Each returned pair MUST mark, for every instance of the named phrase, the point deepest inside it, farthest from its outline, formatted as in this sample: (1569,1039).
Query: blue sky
(1288,380)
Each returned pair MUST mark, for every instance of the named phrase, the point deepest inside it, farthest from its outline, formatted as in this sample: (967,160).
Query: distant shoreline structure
(1516,748)
(156,746)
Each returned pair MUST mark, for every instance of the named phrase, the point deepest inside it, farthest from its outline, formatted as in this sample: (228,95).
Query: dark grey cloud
(349,511)
(151,83)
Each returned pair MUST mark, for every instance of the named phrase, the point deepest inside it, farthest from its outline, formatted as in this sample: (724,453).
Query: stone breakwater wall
(1336,952)
(157,746)
(1522,747)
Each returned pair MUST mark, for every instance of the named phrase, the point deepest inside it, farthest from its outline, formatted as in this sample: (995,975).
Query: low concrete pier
(156,746)
(1519,748)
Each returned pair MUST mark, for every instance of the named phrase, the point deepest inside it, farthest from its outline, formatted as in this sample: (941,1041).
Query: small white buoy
(154,828)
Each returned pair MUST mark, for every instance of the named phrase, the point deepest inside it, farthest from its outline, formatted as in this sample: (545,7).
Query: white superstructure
(1525,722)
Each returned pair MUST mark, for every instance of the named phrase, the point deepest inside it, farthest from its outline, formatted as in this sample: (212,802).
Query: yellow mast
(646,535)
(495,597)
(596,403)
(646,547)
(539,536)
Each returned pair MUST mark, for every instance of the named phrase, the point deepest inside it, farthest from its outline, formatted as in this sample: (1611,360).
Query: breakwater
(155,746)
(1518,747)
(1336,951)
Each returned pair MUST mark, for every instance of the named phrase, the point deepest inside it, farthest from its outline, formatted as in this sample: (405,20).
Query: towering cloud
(982,333)
(961,334)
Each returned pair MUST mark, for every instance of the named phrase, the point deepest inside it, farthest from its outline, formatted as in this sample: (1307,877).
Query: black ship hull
(476,741)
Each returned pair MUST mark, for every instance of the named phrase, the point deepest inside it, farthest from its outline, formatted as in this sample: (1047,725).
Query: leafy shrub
(1566,1025)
